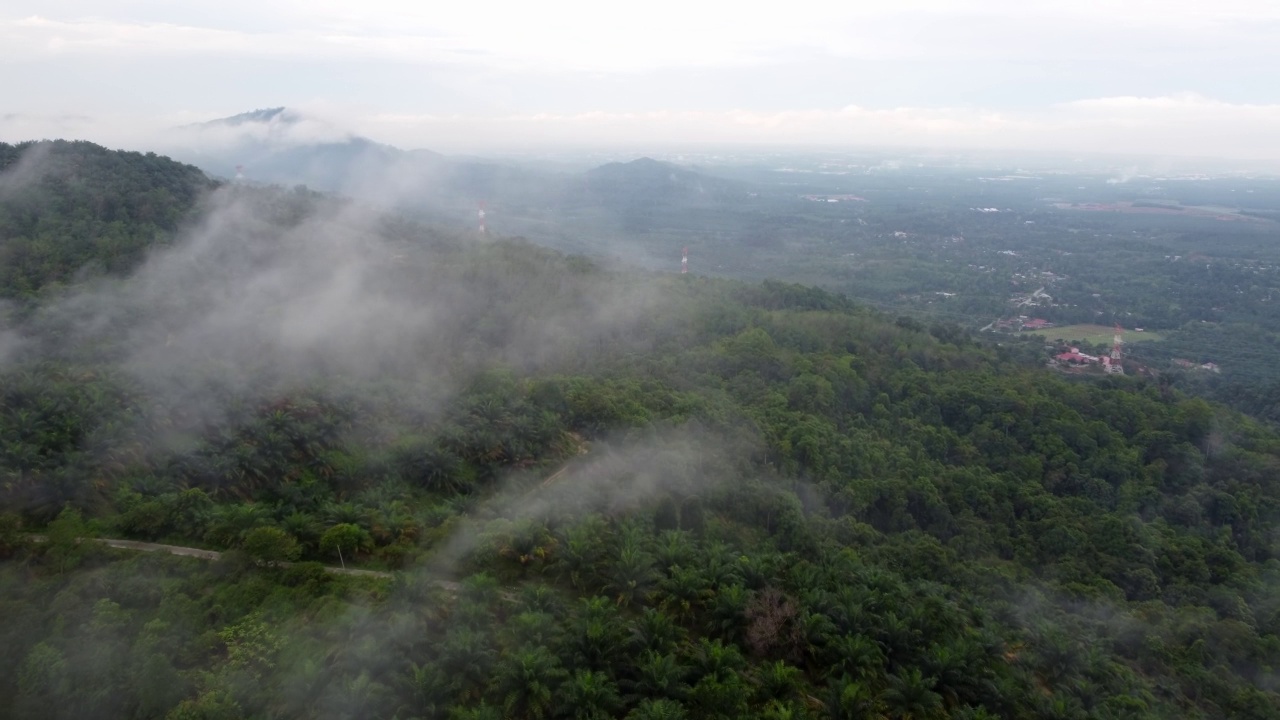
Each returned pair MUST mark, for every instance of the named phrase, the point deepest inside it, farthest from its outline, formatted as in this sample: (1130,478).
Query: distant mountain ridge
(657,180)
(282,145)
(281,114)
(563,209)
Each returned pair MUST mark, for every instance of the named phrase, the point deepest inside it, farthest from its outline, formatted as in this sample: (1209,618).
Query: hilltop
(654,181)
(75,207)
(264,115)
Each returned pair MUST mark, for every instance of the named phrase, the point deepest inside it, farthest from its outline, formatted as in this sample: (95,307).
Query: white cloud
(41,37)
(1179,125)
(576,35)
(484,74)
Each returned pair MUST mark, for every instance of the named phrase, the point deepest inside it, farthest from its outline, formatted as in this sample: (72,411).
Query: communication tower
(684,262)
(481,215)
(239,173)
(1115,365)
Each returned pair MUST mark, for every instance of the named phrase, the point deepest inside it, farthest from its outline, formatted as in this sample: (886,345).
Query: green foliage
(74,205)
(345,535)
(11,535)
(65,540)
(270,545)
(773,503)
(209,706)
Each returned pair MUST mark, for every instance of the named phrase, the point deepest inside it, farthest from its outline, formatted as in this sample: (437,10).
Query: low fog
(269,294)
(615,477)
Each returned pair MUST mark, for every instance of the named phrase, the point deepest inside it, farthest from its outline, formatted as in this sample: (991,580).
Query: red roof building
(1076,357)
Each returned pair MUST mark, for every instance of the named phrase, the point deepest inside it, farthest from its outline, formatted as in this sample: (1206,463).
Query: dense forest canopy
(1192,257)
(67,207)
(583,492)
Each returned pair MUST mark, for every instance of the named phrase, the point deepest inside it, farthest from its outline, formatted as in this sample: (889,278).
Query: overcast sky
(1177,77)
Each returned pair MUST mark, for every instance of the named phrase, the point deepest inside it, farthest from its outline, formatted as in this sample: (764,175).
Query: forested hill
(660,496)
(657,183)
(71,206)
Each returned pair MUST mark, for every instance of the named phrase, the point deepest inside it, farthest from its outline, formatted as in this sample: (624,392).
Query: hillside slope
(663,495)
(70,206)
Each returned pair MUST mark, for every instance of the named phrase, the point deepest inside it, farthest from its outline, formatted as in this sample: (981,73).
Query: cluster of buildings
(834,198)
(1020,323)
(1189,365)
(1110,364)
(1036,299)
(1071,358)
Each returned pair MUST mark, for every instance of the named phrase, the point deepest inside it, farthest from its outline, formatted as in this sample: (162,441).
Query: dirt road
(214,555)
(203,554)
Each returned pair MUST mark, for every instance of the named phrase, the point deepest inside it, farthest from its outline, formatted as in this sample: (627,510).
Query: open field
(1146,208)
(1095,334)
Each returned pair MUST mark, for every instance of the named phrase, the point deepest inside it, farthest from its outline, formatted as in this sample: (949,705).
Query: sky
(1173,77)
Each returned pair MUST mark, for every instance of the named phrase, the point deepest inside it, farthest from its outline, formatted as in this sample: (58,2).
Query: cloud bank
(1185,125)
(1174,77)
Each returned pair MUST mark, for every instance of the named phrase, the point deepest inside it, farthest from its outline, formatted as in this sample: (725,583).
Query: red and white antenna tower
(481,214)
(684,262)
(1112,364)
(1115,365)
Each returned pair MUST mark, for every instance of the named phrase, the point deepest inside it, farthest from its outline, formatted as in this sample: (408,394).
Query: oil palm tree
(910,696)
(850,699)
(658,675)
(465,661)
(684,592)
(527,681)
(658,709)
(598,636)
(778,680)
(632,575)
(654,630)
(589,695)
(856,656)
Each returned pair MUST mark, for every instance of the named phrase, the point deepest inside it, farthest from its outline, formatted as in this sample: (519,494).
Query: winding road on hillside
(202,554)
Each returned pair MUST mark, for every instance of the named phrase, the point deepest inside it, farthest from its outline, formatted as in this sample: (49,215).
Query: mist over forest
(296,431)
